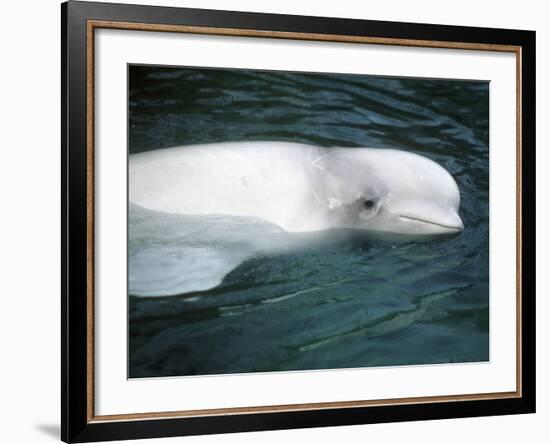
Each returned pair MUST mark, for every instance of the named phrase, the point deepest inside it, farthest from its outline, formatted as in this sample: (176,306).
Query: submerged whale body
(197,212)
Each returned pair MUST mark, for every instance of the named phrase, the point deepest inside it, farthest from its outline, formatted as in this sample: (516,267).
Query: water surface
(350,303)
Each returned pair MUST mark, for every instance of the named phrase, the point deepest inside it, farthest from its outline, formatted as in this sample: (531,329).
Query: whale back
(271,181)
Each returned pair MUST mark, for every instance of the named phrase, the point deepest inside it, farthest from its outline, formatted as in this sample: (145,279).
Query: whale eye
(369,209)
(368,204)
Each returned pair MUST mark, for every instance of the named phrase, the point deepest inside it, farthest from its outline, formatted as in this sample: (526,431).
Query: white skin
(300,187)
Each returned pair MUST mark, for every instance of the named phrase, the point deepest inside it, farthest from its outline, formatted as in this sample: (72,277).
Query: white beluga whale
(197,212)
(300,187)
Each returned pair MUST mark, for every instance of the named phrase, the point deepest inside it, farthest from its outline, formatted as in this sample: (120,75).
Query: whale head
(392,191)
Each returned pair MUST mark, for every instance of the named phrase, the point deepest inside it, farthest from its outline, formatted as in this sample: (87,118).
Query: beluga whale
(197,212)
(300,187)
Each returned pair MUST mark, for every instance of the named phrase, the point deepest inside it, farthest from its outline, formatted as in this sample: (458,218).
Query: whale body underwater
(198,212)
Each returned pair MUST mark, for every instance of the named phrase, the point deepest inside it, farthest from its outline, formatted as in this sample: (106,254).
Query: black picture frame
(77,425)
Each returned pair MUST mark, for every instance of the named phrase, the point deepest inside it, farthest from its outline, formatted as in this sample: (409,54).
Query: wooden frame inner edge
(90,28)
(90,349)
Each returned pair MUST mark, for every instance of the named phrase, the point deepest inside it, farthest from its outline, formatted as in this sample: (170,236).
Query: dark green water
(347,304)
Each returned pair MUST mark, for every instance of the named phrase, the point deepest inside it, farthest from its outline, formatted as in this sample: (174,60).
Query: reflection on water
(348,304)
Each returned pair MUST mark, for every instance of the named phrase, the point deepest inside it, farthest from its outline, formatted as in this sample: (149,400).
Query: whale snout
(449,222)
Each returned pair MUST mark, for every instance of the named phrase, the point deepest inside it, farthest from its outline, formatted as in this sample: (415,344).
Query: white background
(115,394)
(29,234)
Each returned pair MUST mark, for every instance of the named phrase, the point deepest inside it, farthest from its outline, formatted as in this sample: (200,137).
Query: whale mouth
(455,226)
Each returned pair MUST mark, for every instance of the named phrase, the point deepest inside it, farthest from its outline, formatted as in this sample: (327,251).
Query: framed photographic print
(277,221)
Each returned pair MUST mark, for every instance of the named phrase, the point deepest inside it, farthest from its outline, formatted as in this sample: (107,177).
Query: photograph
(277,221)
(288,221)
